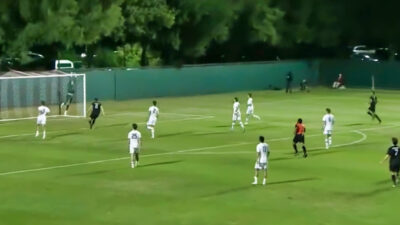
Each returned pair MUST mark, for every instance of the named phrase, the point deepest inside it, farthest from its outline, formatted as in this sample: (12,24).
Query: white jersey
(43,110)
(236,108)
(328,120)
(250,103)
(134,138)
(263,150)
(153,110)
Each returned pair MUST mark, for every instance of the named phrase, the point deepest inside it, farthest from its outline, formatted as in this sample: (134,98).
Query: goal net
(20,96)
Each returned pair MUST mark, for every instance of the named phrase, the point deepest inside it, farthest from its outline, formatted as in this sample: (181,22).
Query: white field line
(185,151)
(58,117)
(140,123)
(162,113)
(363,138)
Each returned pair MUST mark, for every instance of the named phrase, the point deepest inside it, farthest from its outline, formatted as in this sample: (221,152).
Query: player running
(373,100)
(328,121)
(41,119)
(299,131)
(135,143)
(153,115)
(262,160)
(237,117)
(394,163)
(250,109)
(70,94)
(95,109)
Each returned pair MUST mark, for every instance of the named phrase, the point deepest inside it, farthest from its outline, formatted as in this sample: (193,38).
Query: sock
(152,132)
(233,124)
(369,113)
(257,117)
(394,179)
(255,180)
(379,119)
(304,150)
(330,140)
(137,157)
(44,134)
(241,124)
(295,148)
(247,118)
(37,133)
(326,143)
(264,181)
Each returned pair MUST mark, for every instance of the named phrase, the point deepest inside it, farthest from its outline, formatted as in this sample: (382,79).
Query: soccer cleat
(133,165)
(37,134)
(305,155)
(65,113)
(264,182)
(136,163)
(254,183)
(44,137)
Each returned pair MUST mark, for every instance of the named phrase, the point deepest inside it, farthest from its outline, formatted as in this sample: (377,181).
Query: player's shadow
(247,187)
(366,194)
(354,124)
(51,137)
(174,134)
(90,173)
(160,163)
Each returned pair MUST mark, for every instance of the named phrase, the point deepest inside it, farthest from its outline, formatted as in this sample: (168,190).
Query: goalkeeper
(70,94)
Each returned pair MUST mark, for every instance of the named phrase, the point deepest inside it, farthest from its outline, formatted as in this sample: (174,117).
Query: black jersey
(394,154)
(96,107)
(373,100)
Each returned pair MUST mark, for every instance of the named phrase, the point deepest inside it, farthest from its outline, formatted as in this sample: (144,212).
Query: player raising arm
(153,115)
(95,110)
(237,117)
(250,109)
(70,94)
(262,160)
(393,155)
(135,144)
(327,124)
(41,119)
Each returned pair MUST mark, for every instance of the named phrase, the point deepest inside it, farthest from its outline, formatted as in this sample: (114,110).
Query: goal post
(21,95)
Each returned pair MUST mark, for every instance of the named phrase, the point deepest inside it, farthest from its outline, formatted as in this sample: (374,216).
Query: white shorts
(134,149)
(152,121)
(250,110)
(41,120)
(326,132)
(237,117)
(261,166)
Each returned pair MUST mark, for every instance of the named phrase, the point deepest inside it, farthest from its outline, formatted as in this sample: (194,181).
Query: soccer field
(197,171)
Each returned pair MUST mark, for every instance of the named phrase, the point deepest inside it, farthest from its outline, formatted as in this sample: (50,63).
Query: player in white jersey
(250,109)
(153,115)
(135,143)
(41,119)
(237,117)
(262,160)
(328,120)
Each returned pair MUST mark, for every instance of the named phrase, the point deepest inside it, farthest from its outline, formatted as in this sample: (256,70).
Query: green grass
(208,184)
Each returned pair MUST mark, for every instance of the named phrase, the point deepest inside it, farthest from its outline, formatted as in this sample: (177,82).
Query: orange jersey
(300,128)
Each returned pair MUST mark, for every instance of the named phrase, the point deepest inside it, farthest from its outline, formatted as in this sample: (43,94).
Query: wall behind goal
(195,80)
(358,73)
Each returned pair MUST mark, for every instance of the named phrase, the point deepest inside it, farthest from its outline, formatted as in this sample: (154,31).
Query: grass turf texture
(208,181)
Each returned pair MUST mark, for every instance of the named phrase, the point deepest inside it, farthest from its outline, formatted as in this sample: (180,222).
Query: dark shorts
(298,138)
(394,167)
(94,115)
(372,109)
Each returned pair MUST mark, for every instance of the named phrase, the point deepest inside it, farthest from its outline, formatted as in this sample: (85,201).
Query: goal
(20,96)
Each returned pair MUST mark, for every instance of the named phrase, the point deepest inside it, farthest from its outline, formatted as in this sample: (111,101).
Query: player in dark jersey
(95,108)
(299,130)
(70,94)
(373,100)
(393,154)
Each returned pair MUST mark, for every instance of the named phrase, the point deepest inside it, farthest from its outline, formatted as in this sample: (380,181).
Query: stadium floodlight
(21,95)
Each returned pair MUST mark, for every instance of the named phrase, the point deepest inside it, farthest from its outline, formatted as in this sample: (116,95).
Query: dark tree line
(156,32)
